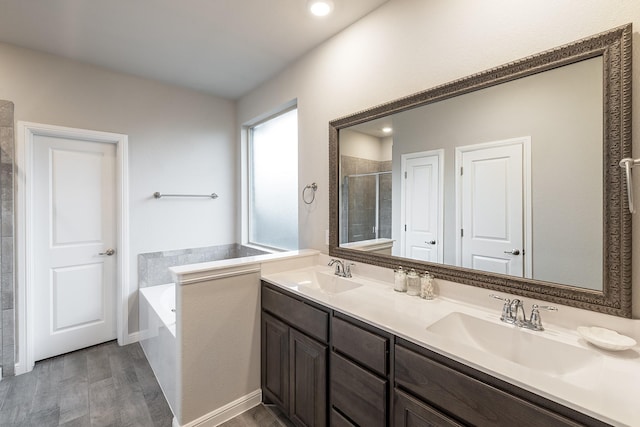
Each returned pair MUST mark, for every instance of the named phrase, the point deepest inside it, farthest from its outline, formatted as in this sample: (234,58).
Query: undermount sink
(530,349)
(312,280)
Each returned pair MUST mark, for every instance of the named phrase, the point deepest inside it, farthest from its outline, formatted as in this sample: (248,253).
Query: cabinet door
(410,412)
(275,361)
(308,380)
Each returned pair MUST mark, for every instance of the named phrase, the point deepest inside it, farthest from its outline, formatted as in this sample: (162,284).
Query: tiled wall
(385,205)
(153,267)
(359,199)
(7,332)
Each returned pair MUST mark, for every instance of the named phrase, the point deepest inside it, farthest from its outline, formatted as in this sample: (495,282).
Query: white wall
(180,141)
(410,45)
(358,144)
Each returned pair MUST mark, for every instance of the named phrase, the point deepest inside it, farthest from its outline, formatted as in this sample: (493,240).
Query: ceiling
(374,127)
(222,47)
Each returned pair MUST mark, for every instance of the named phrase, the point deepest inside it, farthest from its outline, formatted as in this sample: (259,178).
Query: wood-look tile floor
(104,385)
(259,416)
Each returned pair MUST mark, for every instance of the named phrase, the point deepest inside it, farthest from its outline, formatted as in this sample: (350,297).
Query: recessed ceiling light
(320,7)
(387,129)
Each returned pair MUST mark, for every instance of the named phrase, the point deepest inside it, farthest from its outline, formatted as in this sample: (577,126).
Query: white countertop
(607,389)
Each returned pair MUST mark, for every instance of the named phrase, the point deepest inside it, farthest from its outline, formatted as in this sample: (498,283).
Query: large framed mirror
(508,179)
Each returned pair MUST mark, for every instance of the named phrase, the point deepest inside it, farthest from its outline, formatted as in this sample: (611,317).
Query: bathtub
(162,300)
(158,336)
(208,372)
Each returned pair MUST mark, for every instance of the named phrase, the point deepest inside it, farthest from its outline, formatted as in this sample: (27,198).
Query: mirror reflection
(507,179)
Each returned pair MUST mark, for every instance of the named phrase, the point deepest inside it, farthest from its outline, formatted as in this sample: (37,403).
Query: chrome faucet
(535,321)
(507,313)
(342,269)
(513,313)
(517,313)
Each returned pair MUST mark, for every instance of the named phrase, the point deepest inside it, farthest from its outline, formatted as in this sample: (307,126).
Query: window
(273,182)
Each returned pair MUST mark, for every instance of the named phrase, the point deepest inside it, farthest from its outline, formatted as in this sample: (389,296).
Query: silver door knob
(108,252)
(432,242)
(513,252)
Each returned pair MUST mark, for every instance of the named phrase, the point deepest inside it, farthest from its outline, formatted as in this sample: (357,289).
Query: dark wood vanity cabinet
(359,377)
(430,386)
(411,412)
(295,335)
(322,368)
(275,361)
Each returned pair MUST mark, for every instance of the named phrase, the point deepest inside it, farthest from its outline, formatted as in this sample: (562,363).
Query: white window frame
(245,172)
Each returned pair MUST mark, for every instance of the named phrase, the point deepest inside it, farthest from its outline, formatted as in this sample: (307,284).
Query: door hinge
(405,174)
(461,171)
(405,227)
(461,232)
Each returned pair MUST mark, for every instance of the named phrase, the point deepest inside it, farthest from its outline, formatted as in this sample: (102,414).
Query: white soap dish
(606,338)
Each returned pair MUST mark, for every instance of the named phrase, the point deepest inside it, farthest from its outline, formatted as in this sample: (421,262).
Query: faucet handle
(506,300)
(347,269)
(507,314)
(544,307)
(536,321)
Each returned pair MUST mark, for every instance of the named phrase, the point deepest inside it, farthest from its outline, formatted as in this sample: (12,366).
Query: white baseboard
(18,369)
(132,337)
(226,412)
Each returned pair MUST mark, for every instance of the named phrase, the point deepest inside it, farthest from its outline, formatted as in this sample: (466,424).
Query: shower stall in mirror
(367,206)
(365,188)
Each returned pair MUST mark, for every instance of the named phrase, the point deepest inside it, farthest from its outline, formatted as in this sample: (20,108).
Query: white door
(492,198)
(73,232)
(422,207)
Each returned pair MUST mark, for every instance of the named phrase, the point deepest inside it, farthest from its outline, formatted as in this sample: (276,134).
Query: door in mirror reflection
(492,183)
(422,205)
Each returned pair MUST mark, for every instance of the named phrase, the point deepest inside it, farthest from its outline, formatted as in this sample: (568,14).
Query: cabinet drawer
(357,393)
(469,399)
(301,316)
(410,412)
(337,420)
(364,347)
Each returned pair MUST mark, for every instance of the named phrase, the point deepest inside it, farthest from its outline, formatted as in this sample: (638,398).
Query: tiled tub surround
(208,361)
(7,150)
(153,267)
(606,389)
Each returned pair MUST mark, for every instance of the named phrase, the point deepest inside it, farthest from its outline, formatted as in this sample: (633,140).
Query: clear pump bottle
(427,286)
(413,283)
(400,280)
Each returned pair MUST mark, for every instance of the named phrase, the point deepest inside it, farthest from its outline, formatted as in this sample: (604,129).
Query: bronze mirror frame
(614,46)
